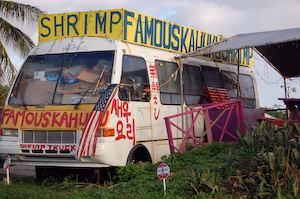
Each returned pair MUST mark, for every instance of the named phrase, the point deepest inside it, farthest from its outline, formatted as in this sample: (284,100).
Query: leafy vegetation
(263,164)
(275,169)
(277,111)
(3,93)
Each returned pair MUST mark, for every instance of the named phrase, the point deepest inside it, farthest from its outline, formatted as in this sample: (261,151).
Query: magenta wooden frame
(205,108)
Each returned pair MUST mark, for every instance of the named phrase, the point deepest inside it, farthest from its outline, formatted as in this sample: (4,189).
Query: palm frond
(7,69)
(18,11)
(15,38)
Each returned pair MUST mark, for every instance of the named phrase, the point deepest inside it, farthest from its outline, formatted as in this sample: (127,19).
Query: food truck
(79,55)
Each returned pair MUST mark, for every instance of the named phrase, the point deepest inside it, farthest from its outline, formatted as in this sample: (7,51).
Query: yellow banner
(135,28)
(106,23)
(49,119)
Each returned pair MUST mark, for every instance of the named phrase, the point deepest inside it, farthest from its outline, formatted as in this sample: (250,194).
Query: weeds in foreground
(275,169)
(264,164)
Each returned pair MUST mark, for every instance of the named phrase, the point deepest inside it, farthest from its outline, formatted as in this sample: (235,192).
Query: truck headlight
(10,132)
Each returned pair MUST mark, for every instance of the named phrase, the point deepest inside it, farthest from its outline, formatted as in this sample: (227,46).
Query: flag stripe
(93,133)
(88,141)
(85,136)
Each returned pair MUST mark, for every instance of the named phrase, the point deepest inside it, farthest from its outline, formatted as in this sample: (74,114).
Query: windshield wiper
(99,79)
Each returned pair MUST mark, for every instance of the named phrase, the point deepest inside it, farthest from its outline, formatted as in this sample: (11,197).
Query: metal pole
(285,94)
(284,87)
(164,181)
(238,77)
(7,175)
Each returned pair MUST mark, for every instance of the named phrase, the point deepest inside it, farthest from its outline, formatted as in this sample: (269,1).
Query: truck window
(247,91)
(169,88)
(134,79)
(230,83)
(212,77)
(193,86)
(62,78)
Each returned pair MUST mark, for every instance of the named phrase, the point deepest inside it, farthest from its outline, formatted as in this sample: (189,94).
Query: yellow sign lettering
(135,28)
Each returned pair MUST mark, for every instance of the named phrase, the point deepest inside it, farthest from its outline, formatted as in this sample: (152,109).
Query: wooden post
(182,100)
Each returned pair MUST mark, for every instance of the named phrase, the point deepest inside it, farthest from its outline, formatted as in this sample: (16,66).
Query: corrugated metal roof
(281,48)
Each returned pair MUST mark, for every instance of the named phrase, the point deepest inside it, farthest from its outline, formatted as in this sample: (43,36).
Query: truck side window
(212,77)
(169,88)
(193,85)
(134,79)
(230,83)
(247,91)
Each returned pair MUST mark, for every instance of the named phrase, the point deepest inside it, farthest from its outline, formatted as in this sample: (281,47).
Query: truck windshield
(62,79)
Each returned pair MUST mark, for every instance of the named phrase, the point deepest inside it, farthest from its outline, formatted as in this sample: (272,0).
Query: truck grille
(58,137)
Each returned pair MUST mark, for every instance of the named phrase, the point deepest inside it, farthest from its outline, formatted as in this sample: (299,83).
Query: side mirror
(133,84)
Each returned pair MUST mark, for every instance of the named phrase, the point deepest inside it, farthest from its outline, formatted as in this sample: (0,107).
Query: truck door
(135,91)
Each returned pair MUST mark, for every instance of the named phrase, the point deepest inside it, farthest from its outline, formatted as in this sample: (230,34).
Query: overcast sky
(226,18)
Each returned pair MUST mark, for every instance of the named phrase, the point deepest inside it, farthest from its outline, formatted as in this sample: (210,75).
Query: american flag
(88,141)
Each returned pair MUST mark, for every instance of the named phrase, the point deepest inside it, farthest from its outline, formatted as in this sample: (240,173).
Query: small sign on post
(163,172)
(6,167)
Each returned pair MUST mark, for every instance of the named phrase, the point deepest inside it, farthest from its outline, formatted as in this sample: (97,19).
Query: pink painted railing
(204,110)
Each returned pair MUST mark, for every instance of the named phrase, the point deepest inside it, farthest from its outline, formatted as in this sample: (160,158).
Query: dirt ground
(20,171)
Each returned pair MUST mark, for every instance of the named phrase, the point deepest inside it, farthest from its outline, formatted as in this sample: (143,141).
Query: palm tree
(13,37)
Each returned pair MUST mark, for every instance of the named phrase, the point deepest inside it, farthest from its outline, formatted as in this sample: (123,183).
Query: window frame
(186,84)
(168,97)
(247,100)
(205,68)
(233,97)
(132,88)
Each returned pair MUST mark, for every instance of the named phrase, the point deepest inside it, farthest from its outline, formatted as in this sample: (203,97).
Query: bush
(275,168)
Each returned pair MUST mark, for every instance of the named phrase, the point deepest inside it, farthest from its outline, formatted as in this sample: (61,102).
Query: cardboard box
(88,75)
(39,92)
(79,87)
(74,86)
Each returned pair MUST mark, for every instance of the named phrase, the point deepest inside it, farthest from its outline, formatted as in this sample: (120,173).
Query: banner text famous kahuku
(135,28)
(56,120)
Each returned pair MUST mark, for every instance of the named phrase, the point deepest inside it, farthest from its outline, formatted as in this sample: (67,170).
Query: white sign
(6,163)
(39,75)
(163,171)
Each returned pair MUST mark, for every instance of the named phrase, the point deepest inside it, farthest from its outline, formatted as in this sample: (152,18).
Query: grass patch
(198,172)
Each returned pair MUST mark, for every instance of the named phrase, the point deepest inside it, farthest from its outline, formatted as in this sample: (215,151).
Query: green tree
(12,37)
(3,93)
